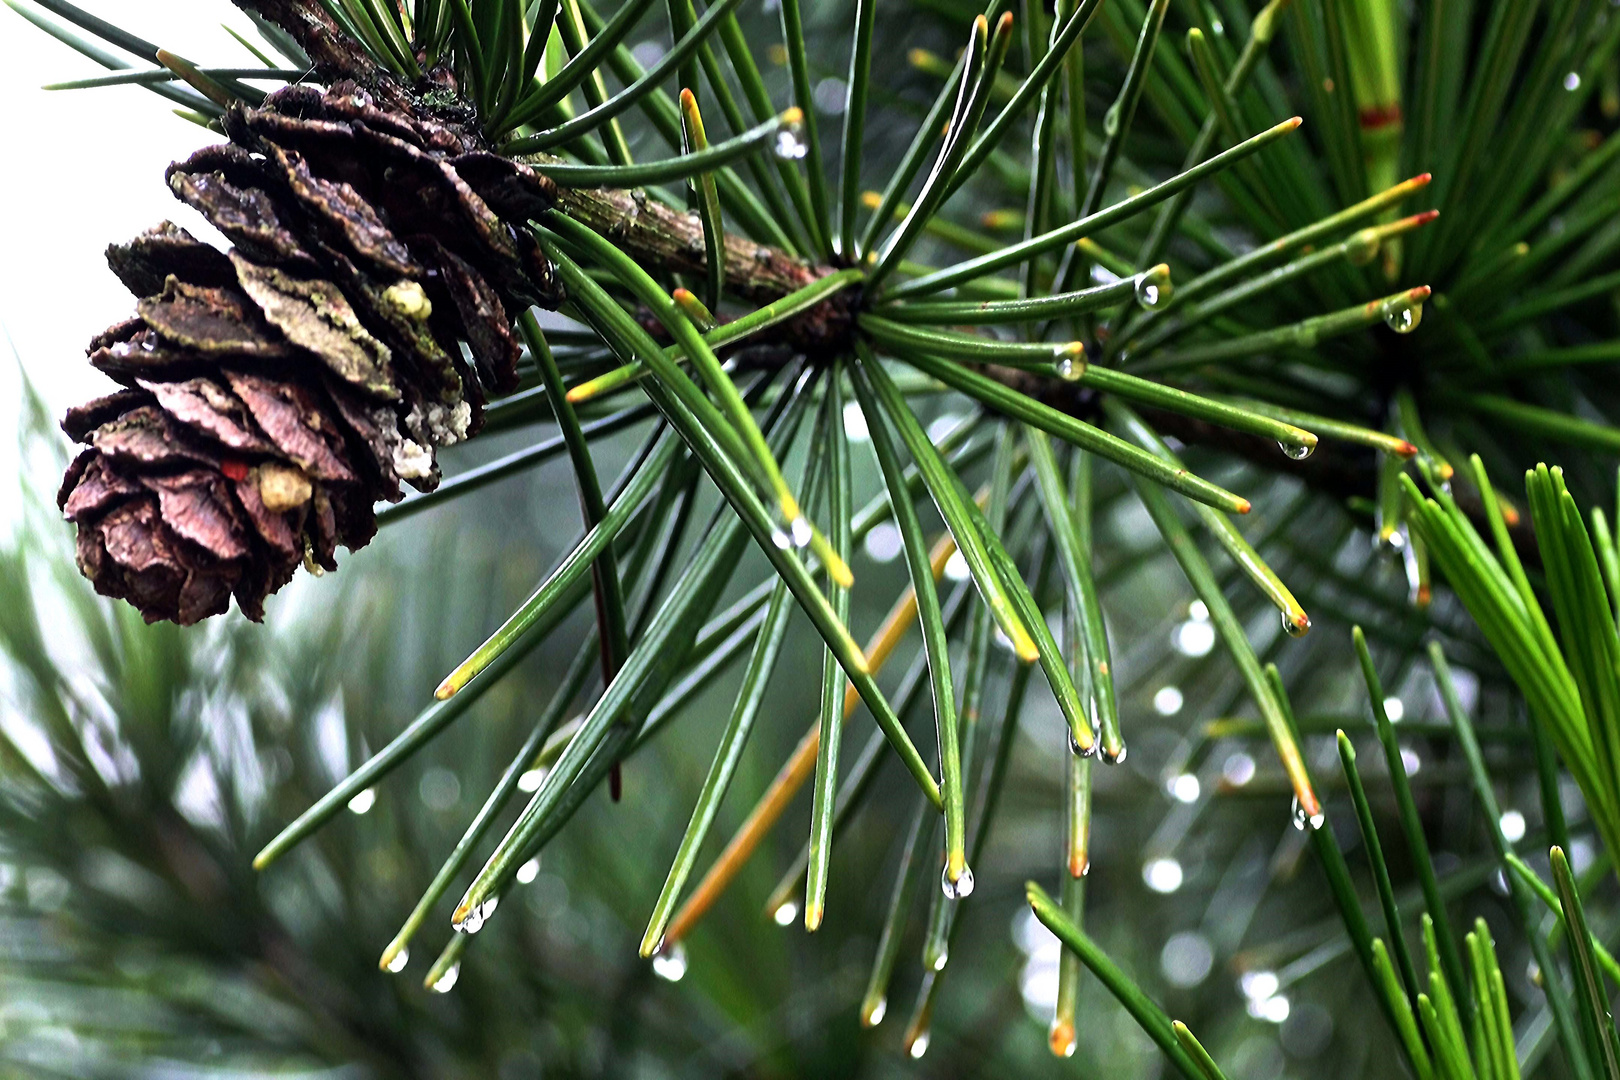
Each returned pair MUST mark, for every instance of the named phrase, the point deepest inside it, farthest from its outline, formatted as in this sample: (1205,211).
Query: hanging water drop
(1405,319)
(1295,452)
(789,147)
(1067,370)
(1081,751)
(669,962)
(1115,758)
(397,962)
(802,532)
(1296,625)
(785,914)
(476,916)
(1061,1038)
(781,539)
(959,889)
(1153,286)
(1111,120)
(447,979)
(919,1045)
(938,960)
(1363,247)
(1301,819)
(876,1012)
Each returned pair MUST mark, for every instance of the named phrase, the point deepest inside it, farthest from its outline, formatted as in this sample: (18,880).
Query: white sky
(79,170)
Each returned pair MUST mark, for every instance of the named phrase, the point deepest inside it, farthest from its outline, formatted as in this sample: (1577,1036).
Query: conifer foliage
(1164,252)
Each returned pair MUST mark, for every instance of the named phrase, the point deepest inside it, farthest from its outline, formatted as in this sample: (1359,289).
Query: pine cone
(273,393)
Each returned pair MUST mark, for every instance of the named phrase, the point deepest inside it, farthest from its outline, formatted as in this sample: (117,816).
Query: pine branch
(656,235)
(334,53)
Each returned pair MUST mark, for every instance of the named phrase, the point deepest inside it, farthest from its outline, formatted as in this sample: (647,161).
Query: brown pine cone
(273,393)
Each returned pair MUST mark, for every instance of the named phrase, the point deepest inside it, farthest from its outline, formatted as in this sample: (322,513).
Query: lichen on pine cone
(272,394)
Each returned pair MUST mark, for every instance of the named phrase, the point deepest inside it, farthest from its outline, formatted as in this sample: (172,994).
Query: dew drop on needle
(669,963)
(959,889)
(1301,819)
(789,147)
(447,980)
(1404,320)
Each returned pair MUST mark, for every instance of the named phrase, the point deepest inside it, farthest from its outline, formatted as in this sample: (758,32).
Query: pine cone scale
(313,314)
(216,321)
(210,410)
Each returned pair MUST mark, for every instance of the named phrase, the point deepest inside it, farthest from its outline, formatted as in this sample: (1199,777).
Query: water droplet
(1572,81)
(1363,247)
(1185,788)
(669,962)
(1061,1038)
(959,889)
(919,1045)
(789,147)
(802,532)
(1238,769)
(785,913)
(1315,821)
(1085,866)
(476,917)
(1296,628)
(874,1015)
(938,960)
(528,871)
(781,539)
(1116,758)
(1259,985)
(1163,875)
(1388,536)
(1168,700)
(1153,286)
(397,962)
(1067,370)
(1404,319)
(1081,751)
(363,801)
(447,979)
(1296,453)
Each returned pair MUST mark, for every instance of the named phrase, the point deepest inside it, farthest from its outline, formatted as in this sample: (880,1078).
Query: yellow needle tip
(841,573)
